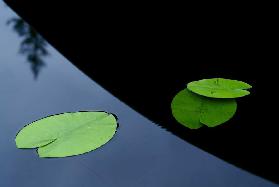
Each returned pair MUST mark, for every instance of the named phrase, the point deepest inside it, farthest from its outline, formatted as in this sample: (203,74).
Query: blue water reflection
(141,154)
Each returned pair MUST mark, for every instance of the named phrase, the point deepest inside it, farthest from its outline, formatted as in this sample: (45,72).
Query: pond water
(141,154)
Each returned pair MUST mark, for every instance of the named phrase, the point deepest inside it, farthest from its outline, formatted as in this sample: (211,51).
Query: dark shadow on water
(144,59)
(33,46)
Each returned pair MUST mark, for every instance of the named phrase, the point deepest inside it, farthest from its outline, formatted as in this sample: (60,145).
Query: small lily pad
(194,111)
(68,134)
(219,88)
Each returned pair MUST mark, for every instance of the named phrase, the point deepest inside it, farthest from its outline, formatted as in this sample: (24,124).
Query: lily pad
(219,88)
(194,111)
(68,134)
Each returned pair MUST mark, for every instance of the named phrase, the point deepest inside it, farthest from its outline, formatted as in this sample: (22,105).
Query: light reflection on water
(141,154)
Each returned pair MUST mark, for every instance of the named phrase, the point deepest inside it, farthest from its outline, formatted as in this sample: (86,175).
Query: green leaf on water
(219,88)
(68,134)
(194,111)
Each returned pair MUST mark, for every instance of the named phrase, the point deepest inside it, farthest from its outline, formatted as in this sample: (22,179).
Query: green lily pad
(194,111)
(219,88)
(68,134)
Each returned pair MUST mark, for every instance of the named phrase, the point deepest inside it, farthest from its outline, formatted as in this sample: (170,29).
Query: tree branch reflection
(32,44)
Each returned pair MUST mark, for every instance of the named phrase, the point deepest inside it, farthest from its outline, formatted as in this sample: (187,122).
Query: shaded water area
(141,154)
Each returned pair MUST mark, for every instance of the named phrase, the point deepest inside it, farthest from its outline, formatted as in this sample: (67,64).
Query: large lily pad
(194,111)
(219,88)
(68,134)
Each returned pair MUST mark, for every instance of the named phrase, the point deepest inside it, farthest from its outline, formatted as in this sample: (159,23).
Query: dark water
(141,154)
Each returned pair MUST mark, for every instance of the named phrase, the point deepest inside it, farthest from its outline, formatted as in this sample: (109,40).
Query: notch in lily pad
(208,102)
(68,134)
(219,88)
(194,111)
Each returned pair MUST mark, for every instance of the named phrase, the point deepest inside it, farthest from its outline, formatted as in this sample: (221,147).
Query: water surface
(141,154)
